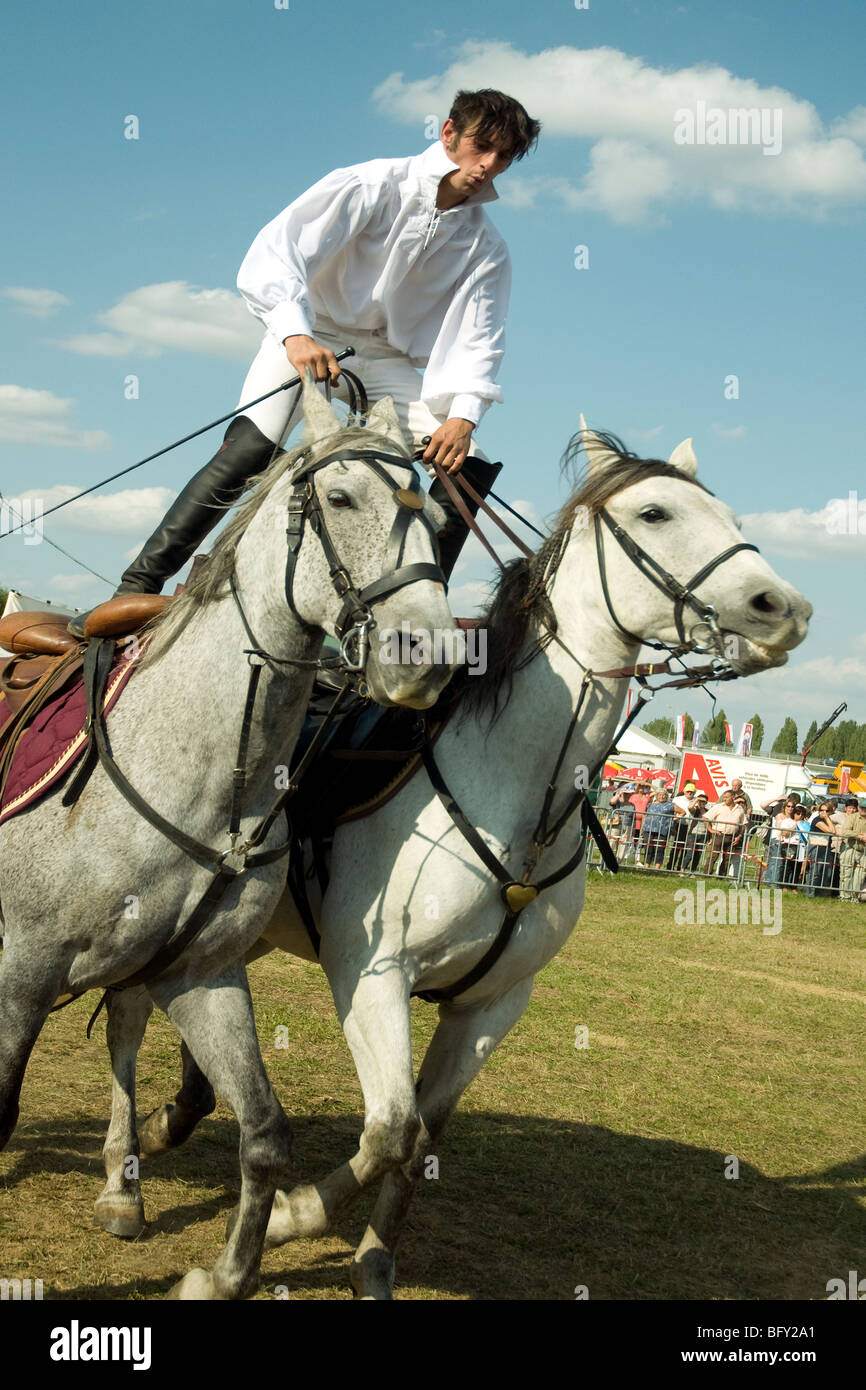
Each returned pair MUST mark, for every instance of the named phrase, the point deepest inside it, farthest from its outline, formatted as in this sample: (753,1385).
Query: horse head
(673,567)
(362,559)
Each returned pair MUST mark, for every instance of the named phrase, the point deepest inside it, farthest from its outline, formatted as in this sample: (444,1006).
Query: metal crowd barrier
(745,857)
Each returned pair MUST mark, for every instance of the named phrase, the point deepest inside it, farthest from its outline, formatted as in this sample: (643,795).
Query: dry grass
(602,1167)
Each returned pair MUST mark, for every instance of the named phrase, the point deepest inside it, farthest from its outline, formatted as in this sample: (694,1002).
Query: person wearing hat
(852,860)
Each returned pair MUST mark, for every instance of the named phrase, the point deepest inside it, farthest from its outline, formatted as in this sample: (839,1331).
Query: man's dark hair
(495,118)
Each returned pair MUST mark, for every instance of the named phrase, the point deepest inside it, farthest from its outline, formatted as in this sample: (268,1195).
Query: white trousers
(382,368)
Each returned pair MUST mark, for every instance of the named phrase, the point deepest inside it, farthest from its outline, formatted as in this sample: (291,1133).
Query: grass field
(601,1166)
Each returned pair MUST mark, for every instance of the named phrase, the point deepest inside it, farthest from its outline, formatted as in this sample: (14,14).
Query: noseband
(682,594)
(355,617)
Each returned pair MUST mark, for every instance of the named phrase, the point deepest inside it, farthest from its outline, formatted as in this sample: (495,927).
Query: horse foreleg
(170,1125)
(216,1022)
(464,1039)
(376,1023)
(119,1207)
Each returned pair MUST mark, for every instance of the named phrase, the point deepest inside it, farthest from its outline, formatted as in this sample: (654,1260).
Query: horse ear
(683,458)
(320,419)
(383,419)
(597,453)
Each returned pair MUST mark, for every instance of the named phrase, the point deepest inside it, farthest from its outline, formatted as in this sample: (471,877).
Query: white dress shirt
(367,247)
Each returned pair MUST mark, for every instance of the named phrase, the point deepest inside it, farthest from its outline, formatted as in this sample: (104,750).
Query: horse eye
(653,514)
(339,499)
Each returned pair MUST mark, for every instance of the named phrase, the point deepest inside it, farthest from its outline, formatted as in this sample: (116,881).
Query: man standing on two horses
(396,258)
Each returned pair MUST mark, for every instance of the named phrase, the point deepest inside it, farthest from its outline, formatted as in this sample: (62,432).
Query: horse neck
(192,698)
(527,737)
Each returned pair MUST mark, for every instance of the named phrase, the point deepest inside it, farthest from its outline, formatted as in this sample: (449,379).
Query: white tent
(17,602)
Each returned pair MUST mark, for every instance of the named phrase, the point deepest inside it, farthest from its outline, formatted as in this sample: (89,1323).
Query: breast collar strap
(681,594)
(304,504)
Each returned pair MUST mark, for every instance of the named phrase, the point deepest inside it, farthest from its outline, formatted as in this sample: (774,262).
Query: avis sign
(761,778)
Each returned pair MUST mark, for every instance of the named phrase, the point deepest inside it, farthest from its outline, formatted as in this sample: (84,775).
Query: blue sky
(703,262)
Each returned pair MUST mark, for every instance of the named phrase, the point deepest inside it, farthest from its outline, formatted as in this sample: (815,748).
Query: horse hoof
(197,1285)
(167,1128)
(123,1219)
(372,1279)
(153,1133)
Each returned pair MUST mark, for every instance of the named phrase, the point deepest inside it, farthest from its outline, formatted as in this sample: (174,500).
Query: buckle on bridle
(358,632)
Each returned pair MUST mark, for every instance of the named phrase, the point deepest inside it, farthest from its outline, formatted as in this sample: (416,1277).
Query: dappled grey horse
(90,892)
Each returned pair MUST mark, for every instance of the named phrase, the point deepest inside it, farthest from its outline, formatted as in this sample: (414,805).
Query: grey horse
(117,887)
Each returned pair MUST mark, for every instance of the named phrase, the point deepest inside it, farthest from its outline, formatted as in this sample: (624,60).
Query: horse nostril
(766,603)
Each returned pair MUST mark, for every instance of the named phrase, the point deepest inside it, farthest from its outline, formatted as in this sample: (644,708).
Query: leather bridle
(355,618)
(682,594)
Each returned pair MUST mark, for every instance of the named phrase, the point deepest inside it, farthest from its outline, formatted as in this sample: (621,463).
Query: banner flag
(681,730)
(729,737)
(744,746)
(696,735)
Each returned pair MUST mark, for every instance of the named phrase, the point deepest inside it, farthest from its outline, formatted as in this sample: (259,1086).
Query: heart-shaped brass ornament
(519,895)
(409,499)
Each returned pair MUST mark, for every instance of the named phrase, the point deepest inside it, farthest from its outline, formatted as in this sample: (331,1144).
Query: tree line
(845,740)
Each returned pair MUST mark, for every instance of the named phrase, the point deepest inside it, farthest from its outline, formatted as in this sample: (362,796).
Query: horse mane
(209,584)
(520,604)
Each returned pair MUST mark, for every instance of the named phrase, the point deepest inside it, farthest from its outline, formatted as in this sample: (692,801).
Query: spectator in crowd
(819,875)
(723,819)
(740,835)
(621,816)
(781,813)
(679,830)
(656,828)
(852,860)
(798,844)
(737,789)
(640,799)
(697,833)
(837,816)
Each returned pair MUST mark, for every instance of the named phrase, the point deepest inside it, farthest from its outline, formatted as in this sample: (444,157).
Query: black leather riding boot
(244,452)
(482,475)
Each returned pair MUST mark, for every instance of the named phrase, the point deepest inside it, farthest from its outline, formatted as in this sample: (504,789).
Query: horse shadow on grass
(522,1208)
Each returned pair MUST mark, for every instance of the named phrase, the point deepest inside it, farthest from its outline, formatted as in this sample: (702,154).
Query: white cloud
(627,109)
(729,431)
(133,511)
(465,600)
(805,534)
(646,435)
(28,416)
(176,316)
(40,304)
(71,583)
(853,125)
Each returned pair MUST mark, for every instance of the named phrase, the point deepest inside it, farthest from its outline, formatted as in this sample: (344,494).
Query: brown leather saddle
(46,657)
